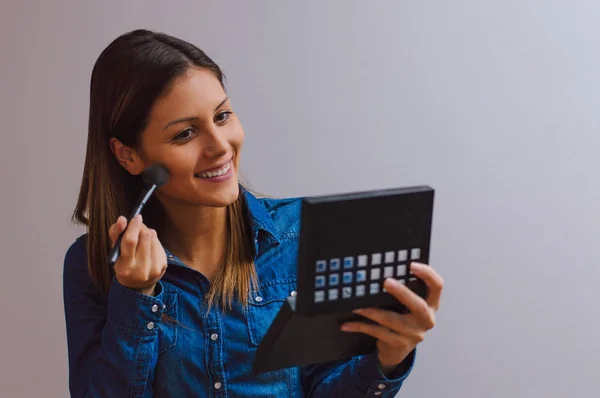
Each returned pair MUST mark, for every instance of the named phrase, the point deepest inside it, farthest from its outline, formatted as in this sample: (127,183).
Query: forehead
(196,93)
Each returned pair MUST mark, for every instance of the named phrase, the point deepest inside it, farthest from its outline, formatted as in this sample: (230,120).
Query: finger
(130,239)
(379,332)
(389,319)
(417,306)
(115,230)
(143,252)
(432,279)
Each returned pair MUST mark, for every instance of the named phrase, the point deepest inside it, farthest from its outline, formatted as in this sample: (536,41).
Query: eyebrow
(190,118)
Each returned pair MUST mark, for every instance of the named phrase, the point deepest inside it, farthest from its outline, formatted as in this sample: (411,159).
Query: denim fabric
(120,345)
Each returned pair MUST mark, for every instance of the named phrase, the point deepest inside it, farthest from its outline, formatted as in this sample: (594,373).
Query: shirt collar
(261,220)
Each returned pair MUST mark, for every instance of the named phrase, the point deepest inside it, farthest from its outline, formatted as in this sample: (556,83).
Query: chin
(209,194)
(221,196)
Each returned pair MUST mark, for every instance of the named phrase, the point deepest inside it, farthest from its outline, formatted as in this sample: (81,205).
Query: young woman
(203,274)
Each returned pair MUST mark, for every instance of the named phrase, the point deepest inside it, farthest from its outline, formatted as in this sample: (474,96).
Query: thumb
(115,230)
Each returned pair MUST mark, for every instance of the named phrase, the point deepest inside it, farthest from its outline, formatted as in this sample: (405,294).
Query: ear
(126,156)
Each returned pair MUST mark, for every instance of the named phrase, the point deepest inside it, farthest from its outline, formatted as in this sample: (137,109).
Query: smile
(217,173)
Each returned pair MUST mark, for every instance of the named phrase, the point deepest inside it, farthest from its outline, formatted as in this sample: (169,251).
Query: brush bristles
(156,174)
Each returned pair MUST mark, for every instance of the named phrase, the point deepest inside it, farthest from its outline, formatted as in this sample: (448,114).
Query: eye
(184,135)
(223,117)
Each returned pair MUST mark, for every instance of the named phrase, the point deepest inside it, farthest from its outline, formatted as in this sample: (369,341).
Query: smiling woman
(204,273)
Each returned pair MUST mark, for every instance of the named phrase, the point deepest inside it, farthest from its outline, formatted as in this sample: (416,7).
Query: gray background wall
(494,103)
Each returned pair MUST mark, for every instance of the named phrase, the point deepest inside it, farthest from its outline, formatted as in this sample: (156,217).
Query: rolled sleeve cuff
(374,383)
(134,311)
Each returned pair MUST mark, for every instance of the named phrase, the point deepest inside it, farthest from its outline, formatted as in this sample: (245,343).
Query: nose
(215,145)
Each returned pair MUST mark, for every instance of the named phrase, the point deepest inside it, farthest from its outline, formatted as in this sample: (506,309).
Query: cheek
(237,138)
(179,160)
(237,145)
(176,158)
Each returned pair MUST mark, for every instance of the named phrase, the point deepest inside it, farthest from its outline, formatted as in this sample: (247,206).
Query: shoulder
(285,213)
(76,253)
(75,269)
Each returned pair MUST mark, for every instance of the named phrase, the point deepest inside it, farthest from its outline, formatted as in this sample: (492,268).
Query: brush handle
(115,252)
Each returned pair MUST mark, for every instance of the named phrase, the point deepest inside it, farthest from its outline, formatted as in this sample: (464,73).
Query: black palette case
(349,244)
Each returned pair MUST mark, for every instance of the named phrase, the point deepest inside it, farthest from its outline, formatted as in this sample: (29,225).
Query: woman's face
(194,133)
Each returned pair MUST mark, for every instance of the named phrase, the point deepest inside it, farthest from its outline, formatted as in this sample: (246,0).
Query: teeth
(217,173)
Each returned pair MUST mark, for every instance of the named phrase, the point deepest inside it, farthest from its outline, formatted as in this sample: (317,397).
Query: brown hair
(129,76)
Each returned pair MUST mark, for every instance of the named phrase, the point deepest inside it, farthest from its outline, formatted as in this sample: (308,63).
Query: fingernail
(391,281)
(139,217)
(346,327)
(359,311)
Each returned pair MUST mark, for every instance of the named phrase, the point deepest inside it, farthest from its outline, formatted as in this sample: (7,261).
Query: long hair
(135,70)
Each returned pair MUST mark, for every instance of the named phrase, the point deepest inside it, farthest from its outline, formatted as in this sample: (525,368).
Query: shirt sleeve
(112,340)
(359,376)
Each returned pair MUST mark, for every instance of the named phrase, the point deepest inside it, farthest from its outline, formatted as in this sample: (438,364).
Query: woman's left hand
(398,334)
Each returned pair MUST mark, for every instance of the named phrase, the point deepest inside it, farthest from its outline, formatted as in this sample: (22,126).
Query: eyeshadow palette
(349,244)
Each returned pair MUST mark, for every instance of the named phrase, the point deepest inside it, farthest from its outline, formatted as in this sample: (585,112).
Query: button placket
(216,369)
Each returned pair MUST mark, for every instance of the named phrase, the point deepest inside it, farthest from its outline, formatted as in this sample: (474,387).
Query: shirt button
(378,393)
(171,257)
(218,385)
(150,325)
(214,336)
(381,386)
(258,299)
(293,294)
(154,308)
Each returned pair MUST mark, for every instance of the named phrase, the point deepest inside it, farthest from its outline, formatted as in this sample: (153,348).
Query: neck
(197,235)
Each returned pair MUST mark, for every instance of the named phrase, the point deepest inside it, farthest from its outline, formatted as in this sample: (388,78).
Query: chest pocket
(167,332)
(264,305)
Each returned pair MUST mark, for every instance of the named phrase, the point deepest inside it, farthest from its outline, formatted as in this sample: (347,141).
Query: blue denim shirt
(118,346)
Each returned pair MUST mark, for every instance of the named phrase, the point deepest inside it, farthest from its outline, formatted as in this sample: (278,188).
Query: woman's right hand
(143,260)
